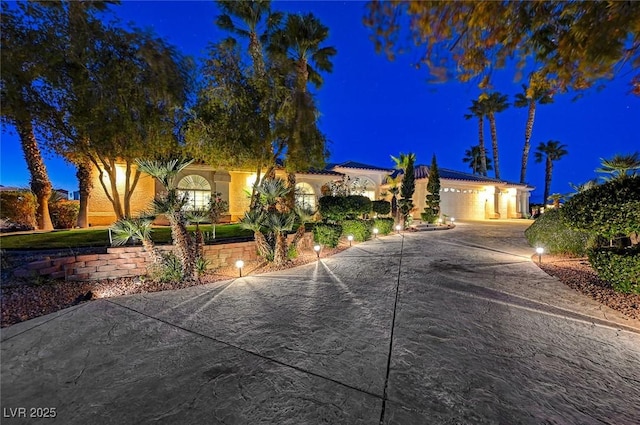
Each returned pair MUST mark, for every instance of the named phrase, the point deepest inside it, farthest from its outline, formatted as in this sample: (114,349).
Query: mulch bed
(578,274)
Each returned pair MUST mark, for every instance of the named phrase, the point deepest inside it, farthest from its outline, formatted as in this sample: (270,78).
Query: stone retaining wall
(133,261)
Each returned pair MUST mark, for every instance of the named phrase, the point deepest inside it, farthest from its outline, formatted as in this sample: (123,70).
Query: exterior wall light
(316,248)
(539,251)
(350,239)
(240,265)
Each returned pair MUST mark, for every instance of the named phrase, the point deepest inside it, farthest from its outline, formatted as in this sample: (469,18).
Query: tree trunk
(483,152)
(262,246)
(40,184)
(527,140)
(184,245)
(85,185)
(547,179)
(291,196)
(255,51)
(494,143)
(280,253)
(150,248)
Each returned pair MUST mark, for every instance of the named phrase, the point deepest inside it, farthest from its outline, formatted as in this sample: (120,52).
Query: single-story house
(463,195)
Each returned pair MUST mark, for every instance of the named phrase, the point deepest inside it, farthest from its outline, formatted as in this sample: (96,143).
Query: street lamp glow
(350,239)
(240,265)
(316,248)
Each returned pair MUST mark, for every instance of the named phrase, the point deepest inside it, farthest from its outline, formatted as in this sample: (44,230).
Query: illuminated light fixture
(316,248)
(375,232)
(539,251)
(452,220)
(240,265)
(398,228)
(440,221)
(350,239)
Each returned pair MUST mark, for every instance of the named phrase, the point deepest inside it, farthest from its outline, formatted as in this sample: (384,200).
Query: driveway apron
(445,327)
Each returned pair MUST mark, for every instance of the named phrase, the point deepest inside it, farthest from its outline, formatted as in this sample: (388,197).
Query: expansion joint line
(393,325)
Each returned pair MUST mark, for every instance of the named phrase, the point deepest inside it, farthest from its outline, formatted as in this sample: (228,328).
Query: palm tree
(549,152)
(250,16)
(494,103)
(620,166)
(538,92)
(298,47)
(172,204)
(136,229)
(472,156)
(477,110)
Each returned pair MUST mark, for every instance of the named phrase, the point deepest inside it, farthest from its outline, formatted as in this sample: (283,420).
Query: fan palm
(473,157)
(254,220)
(538,92)
(495,103)
(136,229)
(620,166)
(171,204)
(477,110)
(549,152)
(250,18)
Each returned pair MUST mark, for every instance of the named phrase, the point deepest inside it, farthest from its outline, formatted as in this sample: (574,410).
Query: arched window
(198,189)
(305,197)
(367,187)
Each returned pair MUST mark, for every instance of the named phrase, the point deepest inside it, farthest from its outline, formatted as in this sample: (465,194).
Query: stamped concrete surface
(452,327)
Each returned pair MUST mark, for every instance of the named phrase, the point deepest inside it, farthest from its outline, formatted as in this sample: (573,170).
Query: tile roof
(360,165)
(422,172)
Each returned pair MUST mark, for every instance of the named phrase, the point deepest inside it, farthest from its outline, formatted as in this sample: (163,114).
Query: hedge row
(620,267)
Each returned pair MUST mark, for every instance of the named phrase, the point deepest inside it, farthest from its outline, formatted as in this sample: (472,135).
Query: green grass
(100,237)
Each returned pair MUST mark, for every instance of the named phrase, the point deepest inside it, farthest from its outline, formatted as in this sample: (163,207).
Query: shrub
(64,214)
(384,225)
(619,266)
(381,207)
(609,210)
(327,234)
(333,208)
(19,208)
(428,216)
(552,232)
(357,205)
(360,229)
(170,270)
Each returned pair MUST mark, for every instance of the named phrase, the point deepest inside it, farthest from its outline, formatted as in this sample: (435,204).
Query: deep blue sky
(372,108)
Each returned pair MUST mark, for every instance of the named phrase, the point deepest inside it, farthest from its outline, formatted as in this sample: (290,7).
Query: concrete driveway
(451,327)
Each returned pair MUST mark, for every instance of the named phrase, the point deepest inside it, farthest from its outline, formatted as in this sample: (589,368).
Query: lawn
(100,237)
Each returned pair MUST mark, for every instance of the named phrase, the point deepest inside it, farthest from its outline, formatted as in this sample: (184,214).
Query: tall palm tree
(250,18)
(538,92)
(477,110)
(620,166)
(299,47)
(472,156)
(495,103)
(24,49)
(549,152)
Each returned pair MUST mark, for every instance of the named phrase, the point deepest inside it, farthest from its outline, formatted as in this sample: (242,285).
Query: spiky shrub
(384,225)
(327,234)
(360,229)
(552,232)
(167,271)
(618,266)
(381,207)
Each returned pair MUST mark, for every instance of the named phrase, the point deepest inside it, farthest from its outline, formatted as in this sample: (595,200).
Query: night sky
(373,108)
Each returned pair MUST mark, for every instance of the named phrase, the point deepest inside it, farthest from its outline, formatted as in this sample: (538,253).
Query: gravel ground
(578,274)
(26,300)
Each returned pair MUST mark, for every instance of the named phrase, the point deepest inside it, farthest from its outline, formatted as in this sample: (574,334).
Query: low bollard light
(240,265)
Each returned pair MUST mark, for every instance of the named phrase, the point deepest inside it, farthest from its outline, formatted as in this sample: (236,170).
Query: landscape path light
(398,228)
(316,248)
(375,232)
(350,239)
(240,265)
(452,220)
(539,251)
(439,221)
